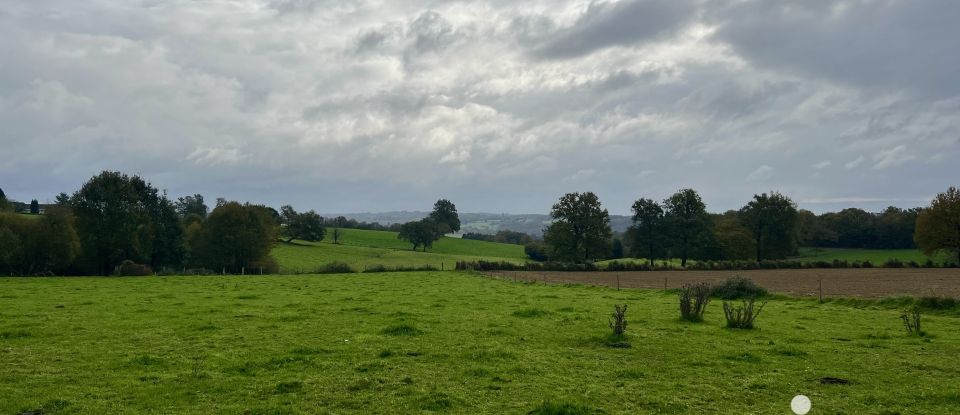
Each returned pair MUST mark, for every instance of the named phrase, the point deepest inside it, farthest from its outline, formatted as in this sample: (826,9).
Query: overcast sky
(500,106)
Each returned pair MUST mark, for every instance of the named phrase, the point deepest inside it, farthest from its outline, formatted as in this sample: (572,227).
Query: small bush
(737,288)
(938,303)
(375,268)
(911,321)
(867,264)
(893,263)
(693,301)
(335,267)
(742,317)
(129,268)
(618,320)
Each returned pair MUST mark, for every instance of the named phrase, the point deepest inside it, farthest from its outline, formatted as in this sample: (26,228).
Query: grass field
(437,342)
(875,256)
(362,248)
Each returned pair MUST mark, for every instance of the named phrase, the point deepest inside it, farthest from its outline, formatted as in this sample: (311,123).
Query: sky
(500,106)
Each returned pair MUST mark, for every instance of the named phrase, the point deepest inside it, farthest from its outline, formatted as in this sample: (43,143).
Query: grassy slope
(361,248)
(316,344)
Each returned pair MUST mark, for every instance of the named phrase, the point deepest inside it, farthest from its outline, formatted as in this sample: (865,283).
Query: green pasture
(363,248)
(445,342)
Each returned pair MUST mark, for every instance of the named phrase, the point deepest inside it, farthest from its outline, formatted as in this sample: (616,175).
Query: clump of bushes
(737,288)
(693,301)
(128,268)
(742,316)
(911,321)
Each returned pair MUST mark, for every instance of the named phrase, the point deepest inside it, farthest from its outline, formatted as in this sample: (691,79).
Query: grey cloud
(897,45)
(616,24)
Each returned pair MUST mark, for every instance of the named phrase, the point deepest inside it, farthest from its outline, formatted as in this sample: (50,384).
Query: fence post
(664,283)
(820,281)
(243,270)
(618,281)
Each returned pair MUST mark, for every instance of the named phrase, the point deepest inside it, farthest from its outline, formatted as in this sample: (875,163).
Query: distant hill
(488,223)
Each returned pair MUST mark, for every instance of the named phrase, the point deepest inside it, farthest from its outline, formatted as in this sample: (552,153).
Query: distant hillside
(488,223)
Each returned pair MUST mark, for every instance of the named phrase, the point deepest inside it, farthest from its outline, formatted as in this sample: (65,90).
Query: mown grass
(362,248)
(445,342)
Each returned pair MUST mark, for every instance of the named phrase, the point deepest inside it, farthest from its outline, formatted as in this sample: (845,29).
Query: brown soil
(852,282)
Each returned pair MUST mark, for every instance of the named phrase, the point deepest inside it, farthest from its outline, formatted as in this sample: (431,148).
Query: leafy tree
(3,196)
(815,231)
(535,250)
(44,246)
(686,220)
(306,226)
(336,235)
(512,237)
(734,240)
(191,205)
(938,226)
(896,227)
(773,220)
(34,207)
(647,231)
(233,237)
(616,252)
(445,217)
(856,228)
(581,228)
(121,217)
(63,200)
(419,233)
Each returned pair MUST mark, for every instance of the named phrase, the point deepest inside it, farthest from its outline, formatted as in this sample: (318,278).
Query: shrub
(375,268)
(402,330)
(535,251)
(893,263)
(938,303)
(737,288)
(911,321)
(335,267)
(743,316)
(618,320)
(693,301)
(867,264)
(129,268)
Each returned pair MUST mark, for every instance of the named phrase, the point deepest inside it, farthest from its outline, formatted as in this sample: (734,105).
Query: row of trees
(114,218)
(768,227)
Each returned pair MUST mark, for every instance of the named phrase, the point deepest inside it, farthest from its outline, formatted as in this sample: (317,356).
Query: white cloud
(270,100)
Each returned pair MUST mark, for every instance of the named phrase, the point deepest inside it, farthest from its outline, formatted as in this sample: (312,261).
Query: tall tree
(686,218)
(938,226)
(647,229)
(192,205)
(445,217)
(734,240)
(34,207)
(120,217)
(774,221)
(233,237)
(306,226)
(63,200)
(581,228)
(419,233)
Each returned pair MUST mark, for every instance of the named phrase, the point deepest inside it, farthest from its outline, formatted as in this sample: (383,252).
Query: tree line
(768,227)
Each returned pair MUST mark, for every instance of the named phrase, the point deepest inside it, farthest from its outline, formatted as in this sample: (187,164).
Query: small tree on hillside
(938,226)
(336,235)
(419,233)
(306,226)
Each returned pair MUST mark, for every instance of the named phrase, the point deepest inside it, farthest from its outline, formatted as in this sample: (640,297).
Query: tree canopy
(581,228)
(419,233)
(686,219)
(773,220)
(938,226)
(191,205)
(445,217)
(647,231)
(306,226)
(120,217)
(233,237)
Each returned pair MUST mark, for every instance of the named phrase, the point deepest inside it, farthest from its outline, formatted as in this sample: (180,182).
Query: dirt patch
(851,282)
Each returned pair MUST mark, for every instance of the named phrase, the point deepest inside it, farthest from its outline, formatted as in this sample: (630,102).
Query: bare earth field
(852,282)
